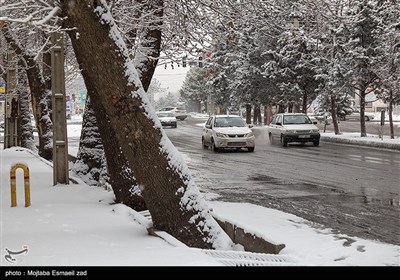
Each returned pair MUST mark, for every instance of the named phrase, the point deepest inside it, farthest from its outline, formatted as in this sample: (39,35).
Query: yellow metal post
(13,184)
(13,189)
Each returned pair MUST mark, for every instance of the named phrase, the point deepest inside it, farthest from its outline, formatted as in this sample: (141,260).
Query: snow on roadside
(308,242)
(356,136)
(76,225)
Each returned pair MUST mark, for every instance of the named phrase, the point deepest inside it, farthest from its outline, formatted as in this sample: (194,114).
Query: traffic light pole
(60,143)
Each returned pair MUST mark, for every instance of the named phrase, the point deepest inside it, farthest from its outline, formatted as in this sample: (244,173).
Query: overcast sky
(172,79)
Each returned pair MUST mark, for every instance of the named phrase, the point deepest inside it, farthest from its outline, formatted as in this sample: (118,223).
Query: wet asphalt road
(353,190)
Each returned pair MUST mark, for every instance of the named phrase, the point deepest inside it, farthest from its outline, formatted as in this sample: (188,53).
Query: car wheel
(250,149)
(205,147)
(316,143)
(213,148)
(270,138)
(284,142)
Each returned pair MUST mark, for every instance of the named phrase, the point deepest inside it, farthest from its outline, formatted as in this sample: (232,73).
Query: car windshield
(296,119)
(165,115)
(229,122)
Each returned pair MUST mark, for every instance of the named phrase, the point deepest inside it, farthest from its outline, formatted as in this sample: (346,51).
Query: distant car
(167,119)
(293,127)
(355,115)
(180,112)
(227,131)
(321,118)
(313,118)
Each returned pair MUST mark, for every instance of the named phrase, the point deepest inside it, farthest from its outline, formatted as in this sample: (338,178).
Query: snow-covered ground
(355,136)
(71,225)
(79,225)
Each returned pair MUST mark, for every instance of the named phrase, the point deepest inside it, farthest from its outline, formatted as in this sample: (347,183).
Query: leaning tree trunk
(121,177)
(41,97)
(168,187)
(91,161)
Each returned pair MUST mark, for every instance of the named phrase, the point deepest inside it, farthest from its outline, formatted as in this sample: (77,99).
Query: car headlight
(290,131)
(221,135)
(315,130)
(250,134)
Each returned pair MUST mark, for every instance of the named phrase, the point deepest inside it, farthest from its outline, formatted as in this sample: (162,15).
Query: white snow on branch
(47,18)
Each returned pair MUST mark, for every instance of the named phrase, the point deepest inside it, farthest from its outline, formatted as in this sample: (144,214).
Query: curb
(383,145)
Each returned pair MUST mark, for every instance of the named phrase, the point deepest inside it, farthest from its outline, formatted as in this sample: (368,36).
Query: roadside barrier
(13,184)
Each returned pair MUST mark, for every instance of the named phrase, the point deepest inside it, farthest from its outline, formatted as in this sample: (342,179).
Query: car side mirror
(250,125)
(207,126)
(315,122)
(278,123)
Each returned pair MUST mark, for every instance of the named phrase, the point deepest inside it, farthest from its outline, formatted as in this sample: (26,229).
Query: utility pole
(11,104)
(60,142)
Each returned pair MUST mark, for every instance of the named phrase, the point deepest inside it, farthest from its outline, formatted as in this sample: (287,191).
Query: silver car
(180,112)
(355,115)
(293,127)
(167,119)
(227,132)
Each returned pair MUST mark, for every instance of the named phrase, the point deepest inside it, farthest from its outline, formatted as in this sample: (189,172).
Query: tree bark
(391,114)
(362,113)
(334,114)
(121,177)
(148,50)
(91,159)
(248,113)
(267,114)
(305,102)
(255,114)
(168,187)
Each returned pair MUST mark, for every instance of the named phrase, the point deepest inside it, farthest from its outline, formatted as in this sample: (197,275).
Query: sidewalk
(349,138)
(354,138)
(79,225)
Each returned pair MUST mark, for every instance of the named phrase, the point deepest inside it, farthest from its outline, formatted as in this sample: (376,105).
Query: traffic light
(184,61)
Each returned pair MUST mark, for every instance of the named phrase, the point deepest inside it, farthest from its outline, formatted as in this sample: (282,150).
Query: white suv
(293,127)
(227,131)
(180,112)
